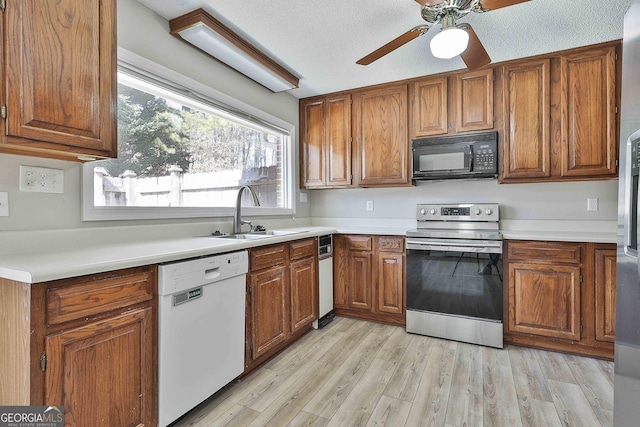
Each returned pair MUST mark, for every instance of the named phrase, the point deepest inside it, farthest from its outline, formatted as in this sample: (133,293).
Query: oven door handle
(449,246)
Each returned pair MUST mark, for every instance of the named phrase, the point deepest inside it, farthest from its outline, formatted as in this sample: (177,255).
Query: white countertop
(560,231)
(33,266)
(555,236)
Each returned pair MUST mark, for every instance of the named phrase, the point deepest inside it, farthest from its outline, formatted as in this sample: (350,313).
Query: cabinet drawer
(302,249)
(391,244)
(265,257)
(92,295)
(558,252)
(360,243)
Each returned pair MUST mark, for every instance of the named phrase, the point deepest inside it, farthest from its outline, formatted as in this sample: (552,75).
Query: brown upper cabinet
(59,79)
(560,117)
(325,135)
(456,104)
(556,115)
(429,107)
(474,101)
(380,155)
(588,113)
(527,107)
(381,137)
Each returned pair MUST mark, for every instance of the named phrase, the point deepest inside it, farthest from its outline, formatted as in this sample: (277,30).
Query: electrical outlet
(304,198)
(592,203)
(41,180)
(4,204)
(370,205)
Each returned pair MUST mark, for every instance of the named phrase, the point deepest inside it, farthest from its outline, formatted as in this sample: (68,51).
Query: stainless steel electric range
(454,273)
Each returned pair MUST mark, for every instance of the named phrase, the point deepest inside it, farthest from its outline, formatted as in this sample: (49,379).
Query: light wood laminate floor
(357,373)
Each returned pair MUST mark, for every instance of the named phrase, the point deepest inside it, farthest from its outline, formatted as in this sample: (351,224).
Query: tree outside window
(178,152)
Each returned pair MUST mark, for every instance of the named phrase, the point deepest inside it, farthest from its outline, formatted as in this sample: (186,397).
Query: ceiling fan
(454,39)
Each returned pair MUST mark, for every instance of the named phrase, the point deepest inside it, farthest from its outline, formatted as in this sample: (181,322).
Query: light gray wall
(146,34)
(545,201)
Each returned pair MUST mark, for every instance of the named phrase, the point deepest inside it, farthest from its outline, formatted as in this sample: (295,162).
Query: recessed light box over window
(208,34)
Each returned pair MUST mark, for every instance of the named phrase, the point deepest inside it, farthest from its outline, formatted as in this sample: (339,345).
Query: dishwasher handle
(212,273)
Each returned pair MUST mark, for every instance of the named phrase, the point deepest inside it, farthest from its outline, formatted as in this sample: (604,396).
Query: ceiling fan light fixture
(449,42)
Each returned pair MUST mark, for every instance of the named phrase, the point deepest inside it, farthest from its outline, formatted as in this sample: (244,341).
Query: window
(183,154)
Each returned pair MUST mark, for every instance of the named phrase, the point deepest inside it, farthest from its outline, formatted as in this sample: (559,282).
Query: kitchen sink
(275,233)
(258,234)
(247,236)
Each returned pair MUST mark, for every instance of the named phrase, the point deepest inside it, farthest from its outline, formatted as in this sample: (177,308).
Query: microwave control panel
(484,157)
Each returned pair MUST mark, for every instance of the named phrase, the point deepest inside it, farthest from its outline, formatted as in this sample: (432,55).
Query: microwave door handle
(471,158)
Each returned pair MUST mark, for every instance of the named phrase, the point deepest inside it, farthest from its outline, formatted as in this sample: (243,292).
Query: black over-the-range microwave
(456,157)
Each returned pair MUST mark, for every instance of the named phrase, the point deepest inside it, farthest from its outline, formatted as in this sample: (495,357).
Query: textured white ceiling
(321,40)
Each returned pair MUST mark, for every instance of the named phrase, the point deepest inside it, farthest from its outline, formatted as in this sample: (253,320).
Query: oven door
(455,290)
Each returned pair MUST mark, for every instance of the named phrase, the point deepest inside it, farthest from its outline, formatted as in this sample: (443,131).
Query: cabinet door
(380,130)
(526,141)
(605,282)
(340,271)
(269,309)
(338,143)
(312,135)
(429,109)
(61,76)
(116,355)
(474,101)
(304,293)
(390,283)
(588,113)
(544,299)
(359,282)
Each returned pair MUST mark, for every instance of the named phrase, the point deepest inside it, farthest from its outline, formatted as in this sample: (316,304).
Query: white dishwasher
(201,330)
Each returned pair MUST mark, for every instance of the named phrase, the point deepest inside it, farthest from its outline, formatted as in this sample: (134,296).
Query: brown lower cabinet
(282,297)
(560,296)
(92,346)
(369,277)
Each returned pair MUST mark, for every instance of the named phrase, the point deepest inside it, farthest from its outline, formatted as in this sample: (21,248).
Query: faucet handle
(243,222)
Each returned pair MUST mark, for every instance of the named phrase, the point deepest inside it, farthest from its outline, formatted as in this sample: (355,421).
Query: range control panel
(487,212)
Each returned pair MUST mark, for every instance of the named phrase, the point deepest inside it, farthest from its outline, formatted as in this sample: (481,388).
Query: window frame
(144,66)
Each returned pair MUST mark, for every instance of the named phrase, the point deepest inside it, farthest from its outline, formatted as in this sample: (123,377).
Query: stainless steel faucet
(237,216)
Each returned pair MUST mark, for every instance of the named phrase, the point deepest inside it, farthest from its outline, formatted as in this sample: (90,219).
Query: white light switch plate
(41,180)
(592,203)
(4,204)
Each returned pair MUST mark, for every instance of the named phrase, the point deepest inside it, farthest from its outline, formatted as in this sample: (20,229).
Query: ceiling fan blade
(393,44)
(429,2)
(487,5)
(475,55)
